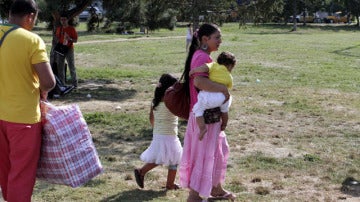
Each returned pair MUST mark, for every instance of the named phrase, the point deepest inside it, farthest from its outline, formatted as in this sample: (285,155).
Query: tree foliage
(354,8)
(156,14)
(124,11)
(71,7)
(4,8)
(258,11)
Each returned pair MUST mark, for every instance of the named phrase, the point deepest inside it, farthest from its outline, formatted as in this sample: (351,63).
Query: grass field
(294,129)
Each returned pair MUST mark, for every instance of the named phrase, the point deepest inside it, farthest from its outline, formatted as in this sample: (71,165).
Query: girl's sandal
(173,187)
(139,178)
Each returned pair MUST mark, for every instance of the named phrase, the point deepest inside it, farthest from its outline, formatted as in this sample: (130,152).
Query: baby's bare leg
(224,120)
(202,126)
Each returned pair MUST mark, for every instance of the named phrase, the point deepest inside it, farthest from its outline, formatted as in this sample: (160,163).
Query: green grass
(294,122)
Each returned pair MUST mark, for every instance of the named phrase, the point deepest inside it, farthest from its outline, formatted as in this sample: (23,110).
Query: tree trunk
(294,16)
(56,22)
(304,18)
(195,15)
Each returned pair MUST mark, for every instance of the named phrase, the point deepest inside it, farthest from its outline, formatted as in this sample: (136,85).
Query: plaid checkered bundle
(68,155)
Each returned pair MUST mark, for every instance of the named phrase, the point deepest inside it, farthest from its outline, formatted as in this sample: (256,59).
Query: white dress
(165,148)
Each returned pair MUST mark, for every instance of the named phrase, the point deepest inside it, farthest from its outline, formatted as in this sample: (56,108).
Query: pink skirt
(203,163)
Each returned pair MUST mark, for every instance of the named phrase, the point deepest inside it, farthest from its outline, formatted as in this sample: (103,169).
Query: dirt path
(131,39)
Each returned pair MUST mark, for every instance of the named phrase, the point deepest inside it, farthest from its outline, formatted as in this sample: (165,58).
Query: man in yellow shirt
(25,78)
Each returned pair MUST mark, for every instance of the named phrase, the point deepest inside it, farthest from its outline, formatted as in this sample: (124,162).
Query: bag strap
(6,33)
(181,78)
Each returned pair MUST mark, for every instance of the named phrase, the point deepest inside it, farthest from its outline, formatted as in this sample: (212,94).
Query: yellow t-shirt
(19,83)
(220,74)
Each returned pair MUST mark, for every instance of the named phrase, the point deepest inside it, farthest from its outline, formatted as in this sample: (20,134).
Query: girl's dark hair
(226,58)
(23,7)
(165,81)
(204,30)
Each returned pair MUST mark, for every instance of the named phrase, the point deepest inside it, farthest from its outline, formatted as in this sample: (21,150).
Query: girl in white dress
(165,148)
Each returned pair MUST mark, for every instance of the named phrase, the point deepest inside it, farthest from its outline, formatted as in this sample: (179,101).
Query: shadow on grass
(98,91)
(347,51)
(135,195)
(140,141)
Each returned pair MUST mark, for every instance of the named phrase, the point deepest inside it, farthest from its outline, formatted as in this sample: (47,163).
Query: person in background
(66,35)
(203,163)
(189,35)
(25,79)
(219,72)
(165,147)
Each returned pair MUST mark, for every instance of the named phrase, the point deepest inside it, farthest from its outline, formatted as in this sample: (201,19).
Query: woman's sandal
(226,196)
(194,197)
(139,178)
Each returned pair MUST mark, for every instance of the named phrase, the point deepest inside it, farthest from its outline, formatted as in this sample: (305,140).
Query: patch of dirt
(272,150)
(86,96)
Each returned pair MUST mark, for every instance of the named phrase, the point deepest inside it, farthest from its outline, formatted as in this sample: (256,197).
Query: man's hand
(43,95)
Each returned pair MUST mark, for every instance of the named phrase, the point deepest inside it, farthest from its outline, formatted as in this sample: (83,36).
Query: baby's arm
(203,68)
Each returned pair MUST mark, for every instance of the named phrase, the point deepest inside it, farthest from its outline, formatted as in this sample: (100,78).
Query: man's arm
(46,77)
(74,35)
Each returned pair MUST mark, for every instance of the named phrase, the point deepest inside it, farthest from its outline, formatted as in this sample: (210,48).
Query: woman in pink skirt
(203,164)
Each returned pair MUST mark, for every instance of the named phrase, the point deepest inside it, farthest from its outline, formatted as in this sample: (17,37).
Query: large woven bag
(68,155)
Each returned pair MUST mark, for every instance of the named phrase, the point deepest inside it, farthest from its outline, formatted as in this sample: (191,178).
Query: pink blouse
(199,58)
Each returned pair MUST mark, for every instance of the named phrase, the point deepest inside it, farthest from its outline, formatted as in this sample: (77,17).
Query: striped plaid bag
(68,155)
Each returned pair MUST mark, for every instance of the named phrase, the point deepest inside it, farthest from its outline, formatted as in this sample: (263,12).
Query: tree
(209,10)
(53,8)
(124,11)
(158,13)
(4,8)
(259,11)
(294,3)
(353,7)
